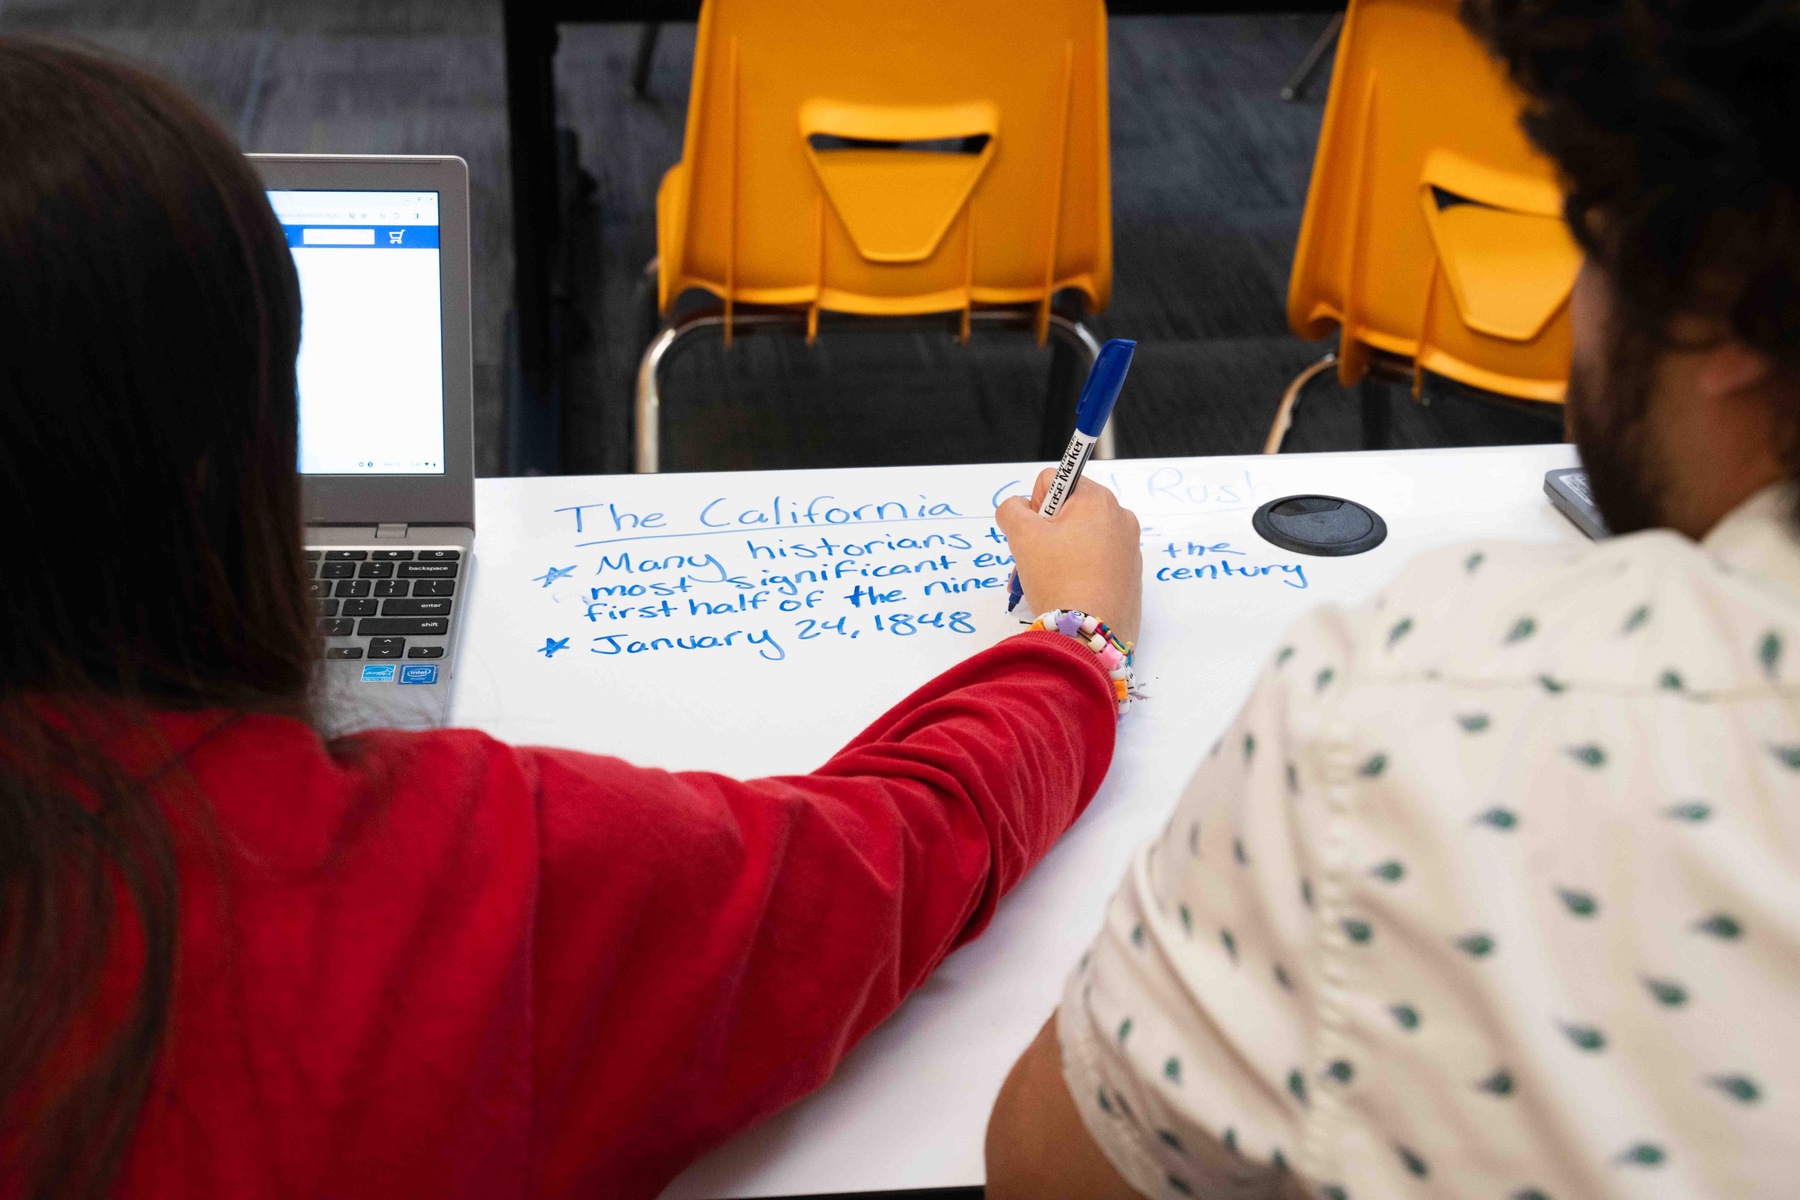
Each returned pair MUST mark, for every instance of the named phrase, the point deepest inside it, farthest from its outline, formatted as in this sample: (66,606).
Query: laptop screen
(371,367)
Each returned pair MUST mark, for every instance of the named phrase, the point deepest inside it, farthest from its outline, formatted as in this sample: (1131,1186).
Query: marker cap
(1104,382)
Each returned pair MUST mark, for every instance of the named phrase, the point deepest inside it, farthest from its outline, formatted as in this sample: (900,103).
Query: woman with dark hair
(239,960)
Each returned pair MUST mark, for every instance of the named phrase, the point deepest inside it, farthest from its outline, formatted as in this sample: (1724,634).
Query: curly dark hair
(1676,126)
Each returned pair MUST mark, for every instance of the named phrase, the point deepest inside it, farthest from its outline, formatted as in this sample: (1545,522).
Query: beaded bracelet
(1115,655)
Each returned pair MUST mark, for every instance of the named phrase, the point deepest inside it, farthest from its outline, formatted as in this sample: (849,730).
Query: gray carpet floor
(1209,166)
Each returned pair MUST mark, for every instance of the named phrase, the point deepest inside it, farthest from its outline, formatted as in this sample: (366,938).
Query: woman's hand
(1086,557)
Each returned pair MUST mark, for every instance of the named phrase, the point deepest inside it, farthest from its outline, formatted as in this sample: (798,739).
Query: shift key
(426,570)
(403,626)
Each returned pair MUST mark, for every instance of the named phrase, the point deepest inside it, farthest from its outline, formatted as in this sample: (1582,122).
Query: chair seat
(1433,229)
(1433,233)
(893,159)
(1501,241)
(900,159)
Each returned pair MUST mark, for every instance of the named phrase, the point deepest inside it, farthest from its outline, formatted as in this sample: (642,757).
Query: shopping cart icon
(394,236)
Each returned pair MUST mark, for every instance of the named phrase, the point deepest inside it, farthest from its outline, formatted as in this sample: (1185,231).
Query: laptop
(381,245)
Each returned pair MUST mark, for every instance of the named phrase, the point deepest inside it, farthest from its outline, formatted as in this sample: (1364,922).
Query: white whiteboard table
(599,609)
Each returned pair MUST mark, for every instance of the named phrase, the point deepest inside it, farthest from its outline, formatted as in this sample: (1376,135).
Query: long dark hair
(149,319)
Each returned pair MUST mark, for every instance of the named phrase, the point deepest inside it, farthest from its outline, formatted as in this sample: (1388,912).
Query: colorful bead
(1116,657)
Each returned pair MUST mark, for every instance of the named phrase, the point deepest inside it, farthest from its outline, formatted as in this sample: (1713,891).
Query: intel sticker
(418,673)
(378,673)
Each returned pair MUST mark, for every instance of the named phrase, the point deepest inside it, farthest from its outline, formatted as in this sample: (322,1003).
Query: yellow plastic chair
(1433,236)
(897,160)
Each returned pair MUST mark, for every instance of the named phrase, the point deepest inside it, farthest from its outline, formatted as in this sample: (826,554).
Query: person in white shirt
(1493,889)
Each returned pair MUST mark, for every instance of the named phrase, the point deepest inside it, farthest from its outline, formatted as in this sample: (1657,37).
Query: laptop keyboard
(376,604)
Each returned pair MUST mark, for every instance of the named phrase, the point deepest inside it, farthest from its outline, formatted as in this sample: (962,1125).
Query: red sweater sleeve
(707,950)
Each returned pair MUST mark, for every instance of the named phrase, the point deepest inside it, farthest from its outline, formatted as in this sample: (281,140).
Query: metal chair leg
(1284,415)
(1295,87)
(649,385)
(648,457)
(649,402)
(1081,339)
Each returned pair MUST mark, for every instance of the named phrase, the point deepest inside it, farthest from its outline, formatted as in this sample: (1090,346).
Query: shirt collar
(1758,537)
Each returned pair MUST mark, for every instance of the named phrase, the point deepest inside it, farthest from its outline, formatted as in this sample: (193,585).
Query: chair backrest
(1433,229)
(893,157)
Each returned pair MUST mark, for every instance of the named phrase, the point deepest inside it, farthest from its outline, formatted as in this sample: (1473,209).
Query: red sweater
(434,965)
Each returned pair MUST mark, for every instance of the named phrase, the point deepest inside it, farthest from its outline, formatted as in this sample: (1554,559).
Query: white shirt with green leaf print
(1492,890)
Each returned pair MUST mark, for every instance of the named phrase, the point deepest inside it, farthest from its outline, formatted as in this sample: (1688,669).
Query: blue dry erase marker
(1098,395)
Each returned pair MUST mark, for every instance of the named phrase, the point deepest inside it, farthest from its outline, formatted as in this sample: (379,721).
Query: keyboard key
(359,608)
(434,587)
(413,608)
(425,652)
(352,587)
(346,555)
(318,589)
(329,608)
(439,555)
(337,570)
(404,626)
(313,555)
(427,570)
(375,570)
(386,647)
(337,627)
(391,555)
(343,652)
(392,587)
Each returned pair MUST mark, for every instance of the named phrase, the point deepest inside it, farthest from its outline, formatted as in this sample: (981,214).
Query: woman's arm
(708,949)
